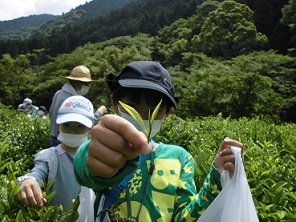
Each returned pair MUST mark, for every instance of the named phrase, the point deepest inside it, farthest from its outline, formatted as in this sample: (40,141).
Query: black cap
(144,74)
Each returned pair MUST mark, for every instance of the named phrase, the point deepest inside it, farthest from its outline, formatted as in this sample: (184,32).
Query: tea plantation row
(269,158)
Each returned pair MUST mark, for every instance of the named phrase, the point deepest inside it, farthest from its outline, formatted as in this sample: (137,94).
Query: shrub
(269,158)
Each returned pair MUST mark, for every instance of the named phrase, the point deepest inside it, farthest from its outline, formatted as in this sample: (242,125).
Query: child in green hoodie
(160,182)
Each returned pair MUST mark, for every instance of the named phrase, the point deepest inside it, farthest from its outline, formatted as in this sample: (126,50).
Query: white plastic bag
(86,208)
(234,203)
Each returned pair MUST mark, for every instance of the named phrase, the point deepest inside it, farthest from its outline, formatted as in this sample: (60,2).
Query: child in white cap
(28,107)
(75,119)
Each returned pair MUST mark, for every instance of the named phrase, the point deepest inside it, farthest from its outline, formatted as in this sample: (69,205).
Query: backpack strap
(115,191)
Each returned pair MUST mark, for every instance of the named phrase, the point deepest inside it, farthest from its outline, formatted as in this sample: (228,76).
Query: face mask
(40,113)
(72,140)
(155,126)
(83,91)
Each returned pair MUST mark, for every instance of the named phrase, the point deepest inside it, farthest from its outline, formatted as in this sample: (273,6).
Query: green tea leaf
(278,185)
(134,114)
(155,111)
(20,216)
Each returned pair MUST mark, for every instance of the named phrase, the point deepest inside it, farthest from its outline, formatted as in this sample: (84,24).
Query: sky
(11,9)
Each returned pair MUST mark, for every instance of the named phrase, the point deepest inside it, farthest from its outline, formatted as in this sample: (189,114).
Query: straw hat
(80,73)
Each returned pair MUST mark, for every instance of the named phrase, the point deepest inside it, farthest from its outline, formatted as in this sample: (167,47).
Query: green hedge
(269,158)
(20,138)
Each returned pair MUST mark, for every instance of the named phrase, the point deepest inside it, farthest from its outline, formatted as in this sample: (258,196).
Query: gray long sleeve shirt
(54,163)
(59,97)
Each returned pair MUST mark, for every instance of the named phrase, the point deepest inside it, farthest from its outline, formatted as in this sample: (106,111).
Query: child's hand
(30,194)
(225,159)
(114,141)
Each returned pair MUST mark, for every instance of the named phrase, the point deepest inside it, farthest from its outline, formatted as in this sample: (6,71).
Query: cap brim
(82,79)
(74,117)
(137,83)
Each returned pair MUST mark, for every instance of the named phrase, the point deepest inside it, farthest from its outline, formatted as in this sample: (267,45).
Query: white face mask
(72,140)
(83,91)
(156,125)
(40,113)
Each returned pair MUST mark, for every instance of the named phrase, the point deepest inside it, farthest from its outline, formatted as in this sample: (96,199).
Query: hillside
(142,16)
(23,27)
(78,27)
(82,13)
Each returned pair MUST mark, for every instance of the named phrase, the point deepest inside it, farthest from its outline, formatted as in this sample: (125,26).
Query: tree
(16,79)
(229,31)
(289,19)
(172,41)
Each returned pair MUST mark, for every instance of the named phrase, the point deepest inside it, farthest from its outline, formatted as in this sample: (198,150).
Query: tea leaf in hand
(135,115)
(155,111)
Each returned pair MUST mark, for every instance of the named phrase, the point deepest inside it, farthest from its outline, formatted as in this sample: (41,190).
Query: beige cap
(80,73)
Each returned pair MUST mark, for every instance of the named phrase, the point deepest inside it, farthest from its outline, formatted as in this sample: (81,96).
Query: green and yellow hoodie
(167,194)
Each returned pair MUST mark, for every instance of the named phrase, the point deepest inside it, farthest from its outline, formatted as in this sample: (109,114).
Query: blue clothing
(32,110)
(55,164)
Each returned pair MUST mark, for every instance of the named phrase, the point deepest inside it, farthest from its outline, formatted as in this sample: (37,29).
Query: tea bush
(269,159)
(20,138)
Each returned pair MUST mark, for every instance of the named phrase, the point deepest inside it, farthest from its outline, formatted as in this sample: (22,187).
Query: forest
(217,52)
(81,26)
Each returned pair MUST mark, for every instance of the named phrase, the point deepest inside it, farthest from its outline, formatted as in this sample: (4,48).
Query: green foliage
(87,24)
(269,159)
(238,87)
(229,31)
(23,27)
(21,138)
(31,134)
(102,58)
(289,18)
(172,40)
(16,78)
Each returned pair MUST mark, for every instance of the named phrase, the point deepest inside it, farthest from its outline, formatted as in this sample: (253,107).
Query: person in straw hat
(78,84)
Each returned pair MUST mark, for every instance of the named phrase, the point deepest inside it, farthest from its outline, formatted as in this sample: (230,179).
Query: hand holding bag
(234,203)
